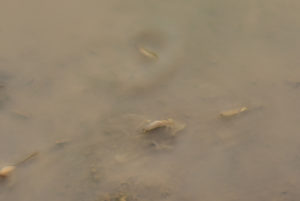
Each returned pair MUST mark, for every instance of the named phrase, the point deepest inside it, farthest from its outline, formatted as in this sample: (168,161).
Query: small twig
(29,157)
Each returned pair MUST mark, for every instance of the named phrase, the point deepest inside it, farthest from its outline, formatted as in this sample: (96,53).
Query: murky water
(76,88)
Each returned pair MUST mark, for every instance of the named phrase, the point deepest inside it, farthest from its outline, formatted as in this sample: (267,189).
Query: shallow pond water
(79,80)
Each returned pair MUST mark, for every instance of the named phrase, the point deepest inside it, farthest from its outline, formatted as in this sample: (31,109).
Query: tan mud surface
(79,80)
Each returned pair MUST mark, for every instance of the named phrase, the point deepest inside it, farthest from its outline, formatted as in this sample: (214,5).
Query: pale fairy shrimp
(158,124)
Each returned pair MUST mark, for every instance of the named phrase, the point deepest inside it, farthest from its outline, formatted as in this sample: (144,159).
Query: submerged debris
(20,114)
(121,196)
(233,112)
(3,93)
(133,190)
(159,147)
(148,53)
(6,171)
(293,84)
